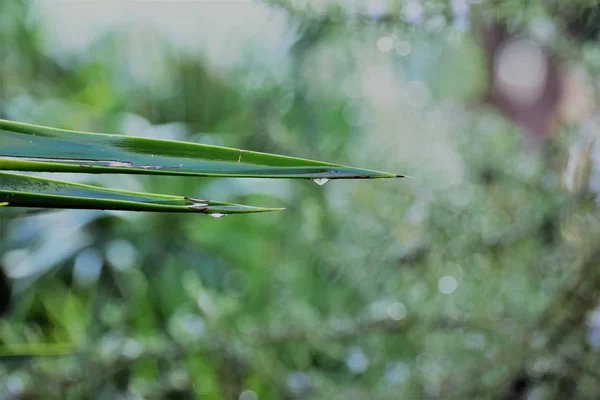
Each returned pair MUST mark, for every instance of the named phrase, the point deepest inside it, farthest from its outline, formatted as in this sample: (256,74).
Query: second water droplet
(216,215)
(198,206)
(320,181)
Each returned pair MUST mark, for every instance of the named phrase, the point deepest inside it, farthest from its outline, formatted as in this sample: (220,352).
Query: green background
(473,279)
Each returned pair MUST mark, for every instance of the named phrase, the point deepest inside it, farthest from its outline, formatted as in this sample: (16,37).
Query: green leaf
(28,191)
(18,353)
(36,148)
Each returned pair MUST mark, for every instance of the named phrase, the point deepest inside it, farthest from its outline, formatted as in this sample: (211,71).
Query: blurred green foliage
(475,279)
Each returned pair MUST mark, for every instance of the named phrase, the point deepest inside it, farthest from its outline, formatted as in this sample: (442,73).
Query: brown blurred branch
(376,326)
(336,15)
(576,301)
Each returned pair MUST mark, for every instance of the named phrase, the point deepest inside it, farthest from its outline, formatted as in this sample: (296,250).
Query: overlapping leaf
(28,191)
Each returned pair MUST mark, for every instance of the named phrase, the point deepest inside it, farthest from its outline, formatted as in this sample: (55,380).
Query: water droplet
(396,372)
(87,268)
(248,395)
(14,384)
(385,44)
(403,48)
(121,254)
(298,381)
(356,360)
(447,284)
(198,206)
(179,379)
(132,348)
(542,364)
(186,327)
(320,181)
(521,71)
(413,11)
(216,215)
(376,8)
(396,311)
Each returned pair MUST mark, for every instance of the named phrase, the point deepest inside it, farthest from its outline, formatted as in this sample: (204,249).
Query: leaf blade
(28,147)
(29,191)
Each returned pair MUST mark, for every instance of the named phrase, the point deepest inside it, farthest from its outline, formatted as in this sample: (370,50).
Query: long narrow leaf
(25,147)
(26,352)
(28,191)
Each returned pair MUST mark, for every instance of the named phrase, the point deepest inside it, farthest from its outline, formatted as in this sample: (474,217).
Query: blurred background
(478,278)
